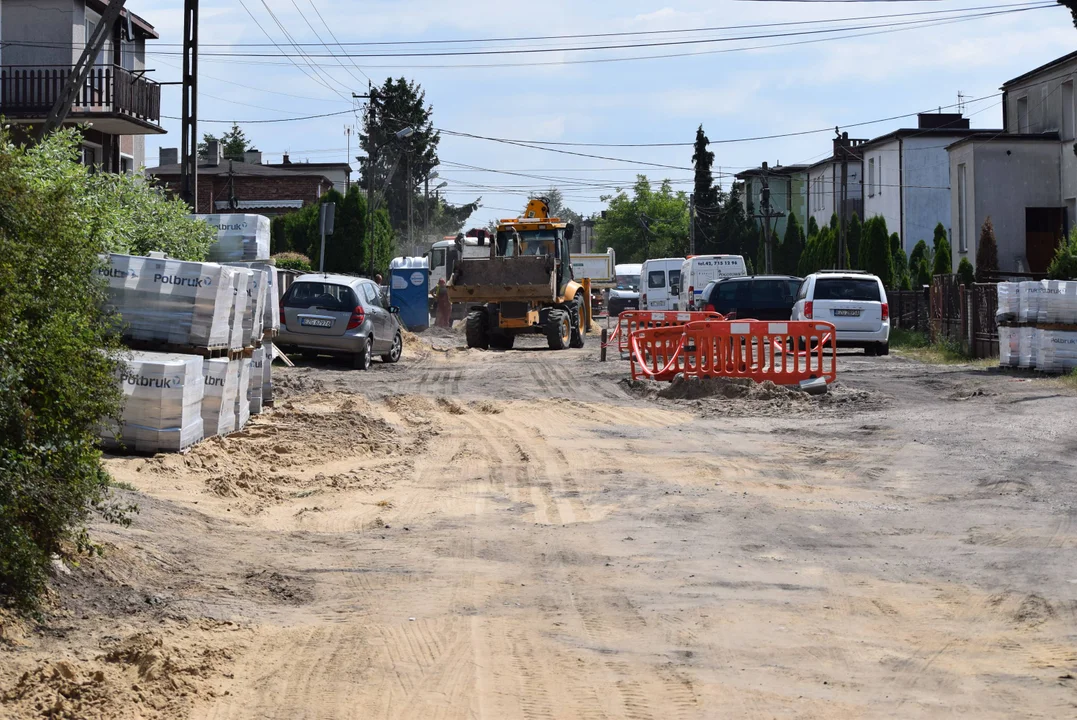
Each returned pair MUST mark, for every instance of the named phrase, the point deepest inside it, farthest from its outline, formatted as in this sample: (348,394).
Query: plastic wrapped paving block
(162,410)
(221,383)
(240,238)
(242,370)
(254,391)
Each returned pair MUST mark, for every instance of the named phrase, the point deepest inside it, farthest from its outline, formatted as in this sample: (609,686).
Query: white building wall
(882,196)
(821,193)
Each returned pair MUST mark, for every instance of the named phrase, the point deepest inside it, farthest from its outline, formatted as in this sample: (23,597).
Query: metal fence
(965,315)
(910,309)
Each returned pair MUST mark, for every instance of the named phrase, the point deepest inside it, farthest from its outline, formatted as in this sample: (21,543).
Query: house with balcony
(41,40)
(906,176)
(1023,177)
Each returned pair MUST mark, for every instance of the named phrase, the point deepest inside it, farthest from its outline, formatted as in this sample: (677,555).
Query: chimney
(941,120)
(213,152)
(253,157)
(286,160)
(169,156)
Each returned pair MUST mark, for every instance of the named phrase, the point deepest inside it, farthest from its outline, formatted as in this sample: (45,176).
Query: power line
(277,120)
(622,46)
(333,35)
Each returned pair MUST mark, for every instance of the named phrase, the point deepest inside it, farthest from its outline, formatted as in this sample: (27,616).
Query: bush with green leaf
(944,262)
(987,253)
(291,261)
(1064,264)
(875,250)
(58,354)
(966,272)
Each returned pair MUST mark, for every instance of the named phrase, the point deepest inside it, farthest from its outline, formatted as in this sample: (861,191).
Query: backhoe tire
(475,330)
(502,341)
(578,315)
(558,329)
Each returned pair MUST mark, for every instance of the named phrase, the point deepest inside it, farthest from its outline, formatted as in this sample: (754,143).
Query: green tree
(966,272)
(853,237)
(1064,264)
(813,227)
(291,261)
(348,248)
(901,261)
(878,259)
(939,236)
(651,223)
(920,252)
(707,197)
(944,264)
(787,256)
(558,207)
(920,272)
(1070,5)
(400,164)
(736,231)
(233,144)
(59,357)
(987,253)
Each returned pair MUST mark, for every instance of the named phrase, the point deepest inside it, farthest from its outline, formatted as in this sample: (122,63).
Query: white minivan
(853,302)
(660,284)
(698,270)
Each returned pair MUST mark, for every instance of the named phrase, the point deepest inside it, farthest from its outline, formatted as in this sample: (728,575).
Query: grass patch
(1070,379)
(918,346)
(122,485)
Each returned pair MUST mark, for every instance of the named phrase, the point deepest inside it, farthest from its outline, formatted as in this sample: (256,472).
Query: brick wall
(213,188)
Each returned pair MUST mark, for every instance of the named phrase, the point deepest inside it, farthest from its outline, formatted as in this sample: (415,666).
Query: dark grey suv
(339,315)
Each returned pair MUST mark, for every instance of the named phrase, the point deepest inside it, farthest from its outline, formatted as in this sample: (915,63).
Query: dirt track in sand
(517,535)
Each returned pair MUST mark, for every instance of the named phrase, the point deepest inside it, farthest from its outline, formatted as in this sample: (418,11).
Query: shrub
(1064,264)
(919,252)
(920,273)
(966,272)
(944,263)
(875,251)
(854,235)
(901,261)
(292,261)
(57,353)
(986,252)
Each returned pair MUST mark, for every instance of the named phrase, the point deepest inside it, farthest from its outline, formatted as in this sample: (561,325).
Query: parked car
(660,282)
(339,315)
(759,297)
(698,270)
(625,296)
(854,302)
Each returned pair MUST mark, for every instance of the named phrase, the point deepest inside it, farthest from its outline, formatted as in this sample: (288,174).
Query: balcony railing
(30,91)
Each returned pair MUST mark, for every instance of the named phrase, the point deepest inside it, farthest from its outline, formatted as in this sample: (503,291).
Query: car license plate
(847,313)
(316,322)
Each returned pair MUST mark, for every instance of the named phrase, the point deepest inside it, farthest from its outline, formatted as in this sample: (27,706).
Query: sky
(737,82)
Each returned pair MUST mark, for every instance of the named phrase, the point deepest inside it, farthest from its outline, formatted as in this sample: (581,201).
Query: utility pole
(411,216)
(189,132)
(233,203)
(766,216)
(426,207)
(326,219)
(348,179)
(61,107)
(371,97)
(692,224)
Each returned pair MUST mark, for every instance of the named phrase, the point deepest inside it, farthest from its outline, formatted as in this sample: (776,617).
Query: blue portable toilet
(409,290)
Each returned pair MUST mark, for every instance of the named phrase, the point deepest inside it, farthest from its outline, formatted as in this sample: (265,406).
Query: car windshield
(327,296)
(532,242)
(862,290)
(628,282)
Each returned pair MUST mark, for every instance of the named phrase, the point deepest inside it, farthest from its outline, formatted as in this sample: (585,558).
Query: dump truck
(524,285)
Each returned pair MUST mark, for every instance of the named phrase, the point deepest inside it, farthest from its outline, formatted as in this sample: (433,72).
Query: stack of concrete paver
(1038,325)
(221,385)
(162,403)
(240,238)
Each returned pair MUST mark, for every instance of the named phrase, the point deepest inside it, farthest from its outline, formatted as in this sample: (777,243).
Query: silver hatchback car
(339,315)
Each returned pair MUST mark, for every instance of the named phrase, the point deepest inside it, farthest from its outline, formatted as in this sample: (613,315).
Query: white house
(1023,178)
(907,176)
(824,189)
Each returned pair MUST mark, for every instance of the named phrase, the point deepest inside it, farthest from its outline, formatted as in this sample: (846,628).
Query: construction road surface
(480,534)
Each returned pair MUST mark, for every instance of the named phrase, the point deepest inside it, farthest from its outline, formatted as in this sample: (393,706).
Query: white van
(699,270)
(660,284)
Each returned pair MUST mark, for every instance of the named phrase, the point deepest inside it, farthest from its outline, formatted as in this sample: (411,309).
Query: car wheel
(578,329)
(475,330)
(395,351)
(362,359)
(884,348)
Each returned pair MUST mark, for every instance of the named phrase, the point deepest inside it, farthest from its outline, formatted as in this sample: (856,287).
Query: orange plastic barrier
(785,353)
(630,321)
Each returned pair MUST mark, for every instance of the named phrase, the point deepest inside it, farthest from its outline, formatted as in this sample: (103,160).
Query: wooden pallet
(209,353)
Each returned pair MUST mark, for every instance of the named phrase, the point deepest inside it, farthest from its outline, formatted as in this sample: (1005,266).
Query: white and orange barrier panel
(786,353)
(630,321)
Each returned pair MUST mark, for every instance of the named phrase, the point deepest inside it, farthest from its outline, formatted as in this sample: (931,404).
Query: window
(373,294)
(866,290)
(656,279)
(880,170)
(437,258)
(675,282)
(127,164)
(962,209)
(325,296)
(1067,130)
(871,177)
(1022,115)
